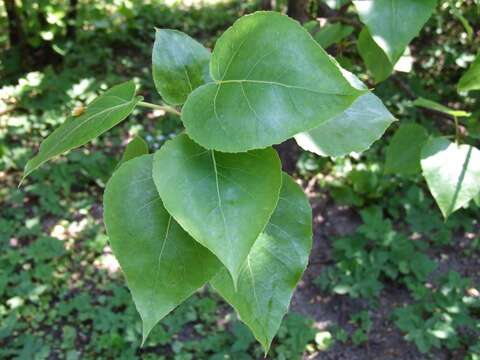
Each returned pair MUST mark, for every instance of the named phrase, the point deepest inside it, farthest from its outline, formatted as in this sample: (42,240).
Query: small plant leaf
(432,105)
(271,81)
(179,64)
(452,173)
(394,23)
(471,79)
(403,151)
(273,267)
(222,200)
(163,265)
(354,130)
(101,115)
(136,147)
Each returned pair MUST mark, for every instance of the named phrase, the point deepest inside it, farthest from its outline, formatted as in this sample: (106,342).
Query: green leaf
(403,151)
(163,265)
(101,114)
(179,64)
(373,56)
(394,23)
(136,147)
(452,172)
(223,200)
(272,81)
(355,130)
(273,267)
(332,33)
(432,105)
(471,79)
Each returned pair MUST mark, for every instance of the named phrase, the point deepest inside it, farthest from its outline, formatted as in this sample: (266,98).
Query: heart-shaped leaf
(162,263)
(271,81)
(394,23)
(355,130)
(101,114)
(452,172)
(179,64)
(223,200)
(403,151)
(273,267)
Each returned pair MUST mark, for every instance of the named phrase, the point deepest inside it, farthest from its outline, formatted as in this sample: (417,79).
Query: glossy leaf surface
(394,23)
(179,65)
(272,81)
(101,114)
(163,265)
(403,151)
(273,267)
(223,200)
(135,148)
(452,172)
(355,130)
(432,105)
(471,79)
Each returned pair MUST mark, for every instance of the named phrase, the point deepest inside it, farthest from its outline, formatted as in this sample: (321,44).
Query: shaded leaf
(394,23)
(471,79)
(136,147)
(223,200)
(452,172)
(354,130)
(273,267)
(403,151)
(374,58)
(163,265)
(179,65)
(101,114)
(272,81)
(432,105)
(332,33)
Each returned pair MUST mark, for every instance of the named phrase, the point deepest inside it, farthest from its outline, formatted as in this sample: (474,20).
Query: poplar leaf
(222,200)
(274,266)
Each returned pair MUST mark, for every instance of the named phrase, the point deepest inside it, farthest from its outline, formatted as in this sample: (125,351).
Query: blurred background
(387,279)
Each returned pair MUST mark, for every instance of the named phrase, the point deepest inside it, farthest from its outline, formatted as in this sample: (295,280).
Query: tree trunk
(297,9)
(15,30)
(71,18)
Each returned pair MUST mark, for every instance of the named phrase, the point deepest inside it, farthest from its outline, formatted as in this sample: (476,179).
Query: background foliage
(388,278)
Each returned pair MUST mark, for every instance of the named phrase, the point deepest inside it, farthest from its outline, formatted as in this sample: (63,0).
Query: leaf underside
(452,173)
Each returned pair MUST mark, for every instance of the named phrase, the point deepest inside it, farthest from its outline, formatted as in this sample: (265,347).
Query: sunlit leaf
(223,200)
(432,105)
(271,81)
(354,130)
(100,115)
(163,265)
(452,172)
(471,79)
(394,23)
(179,64)
(273,267)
